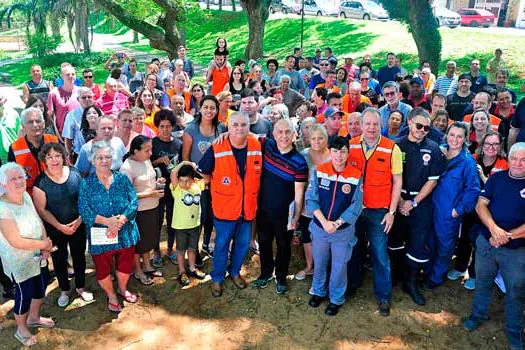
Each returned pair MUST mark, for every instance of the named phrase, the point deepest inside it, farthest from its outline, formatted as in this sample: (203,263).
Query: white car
(311,8)
(447,18)
(362,9)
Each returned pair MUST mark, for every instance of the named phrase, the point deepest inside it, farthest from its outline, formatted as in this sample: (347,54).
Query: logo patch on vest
(325,183)
(522,193)
(346,188)
(426,158)
(226,180)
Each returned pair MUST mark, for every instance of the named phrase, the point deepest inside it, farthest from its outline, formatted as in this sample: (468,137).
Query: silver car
(362,9)
(311,8)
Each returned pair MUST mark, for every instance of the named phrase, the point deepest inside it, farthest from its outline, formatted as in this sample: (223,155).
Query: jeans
(332,249)
(370,221)
(270,227)
(511,264)
(466,247)
(206,216)
(239,231)
(77,247)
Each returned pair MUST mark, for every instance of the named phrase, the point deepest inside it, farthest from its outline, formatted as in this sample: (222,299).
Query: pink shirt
(112,105)
(61,103)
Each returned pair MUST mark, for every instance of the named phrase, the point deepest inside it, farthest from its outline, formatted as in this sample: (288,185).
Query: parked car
(311,8)
(447,18)
(476,17)
(362,9)
(278,5)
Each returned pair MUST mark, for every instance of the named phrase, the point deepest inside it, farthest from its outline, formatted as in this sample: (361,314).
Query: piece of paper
(99,236)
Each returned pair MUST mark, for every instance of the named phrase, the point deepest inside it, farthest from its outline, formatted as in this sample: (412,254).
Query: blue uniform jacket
(458,187)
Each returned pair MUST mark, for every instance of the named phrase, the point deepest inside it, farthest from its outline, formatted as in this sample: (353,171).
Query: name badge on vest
(325,183)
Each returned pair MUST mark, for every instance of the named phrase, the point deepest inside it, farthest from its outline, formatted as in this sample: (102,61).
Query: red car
(476,17)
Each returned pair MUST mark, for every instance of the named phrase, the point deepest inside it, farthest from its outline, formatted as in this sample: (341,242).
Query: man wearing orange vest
(25,149)
(233,169)
(381,163)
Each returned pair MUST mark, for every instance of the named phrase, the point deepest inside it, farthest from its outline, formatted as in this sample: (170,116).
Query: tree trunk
(257,11)
(56,23)
(207,4)
(82,19)
(233,6)
(135,37)
(220,5)
(425,33)
(162,36)
(75,16)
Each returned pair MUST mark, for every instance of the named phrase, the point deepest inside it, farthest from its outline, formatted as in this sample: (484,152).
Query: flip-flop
(145,281)
(41,325)
(116,308)
(129,297)
(25,341)
(154,273)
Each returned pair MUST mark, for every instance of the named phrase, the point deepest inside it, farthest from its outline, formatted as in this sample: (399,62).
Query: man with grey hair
(291,98)
(233,169)
(112,102)
(283,181)
(391,93)
(381,162)
(25,149)
(500,246)
(444,82)
(105,132)
(72,136)
(62,100)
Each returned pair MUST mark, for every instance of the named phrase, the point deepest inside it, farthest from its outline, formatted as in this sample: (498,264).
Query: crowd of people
(362,165)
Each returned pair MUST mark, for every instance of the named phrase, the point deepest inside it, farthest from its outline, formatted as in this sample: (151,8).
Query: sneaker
(172,258)
(472,323)
(184,279)
(198,274)
(86,296)
(384,308)
(198,260)
(281,288)
(454,275)
(63,299)
(207,250)
(262,282)
(157,261)
(470,284)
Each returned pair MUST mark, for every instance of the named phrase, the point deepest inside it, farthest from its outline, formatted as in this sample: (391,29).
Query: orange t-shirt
(347,103)
(333,89)
(148,121)
(219,77)
(187,98)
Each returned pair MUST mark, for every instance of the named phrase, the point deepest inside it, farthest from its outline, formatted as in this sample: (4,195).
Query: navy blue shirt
(477,82)
(280,173)
(387,73)
(506,196)
(316,80)
(518,120)
(422,162)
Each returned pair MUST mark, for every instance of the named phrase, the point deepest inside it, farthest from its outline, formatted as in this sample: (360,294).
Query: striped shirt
(443,84)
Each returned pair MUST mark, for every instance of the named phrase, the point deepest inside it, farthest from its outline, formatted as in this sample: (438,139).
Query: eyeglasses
(86,97)
(55,157)
(491,145)
(197,90)
(365,79)
(389,94)
(88,77)
(420,126)
(324,64)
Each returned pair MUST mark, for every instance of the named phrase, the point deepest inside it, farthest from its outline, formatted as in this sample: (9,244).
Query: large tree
(419,17)
(257,11)
(164,33)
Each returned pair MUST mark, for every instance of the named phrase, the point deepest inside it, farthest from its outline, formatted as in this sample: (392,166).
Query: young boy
(186,187)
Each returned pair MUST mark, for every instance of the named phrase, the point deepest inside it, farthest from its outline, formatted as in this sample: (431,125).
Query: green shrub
(41,44)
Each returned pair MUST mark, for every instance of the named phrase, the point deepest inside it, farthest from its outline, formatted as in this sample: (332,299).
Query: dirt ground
(168,317)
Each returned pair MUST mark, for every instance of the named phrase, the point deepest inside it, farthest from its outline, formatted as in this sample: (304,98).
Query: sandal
(154,273)
(144,279)
(301,275)
(129,297)
(112,307)
(25,341)
(49,324)
(85,296)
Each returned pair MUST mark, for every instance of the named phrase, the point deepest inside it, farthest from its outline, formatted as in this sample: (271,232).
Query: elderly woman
(304,133)
(279,111)
(23,246)
(489,160)
(454,196)
(137,167)
(317,153)
(335,206)
(138,115)
(395,120)
(108,205)
(56,199)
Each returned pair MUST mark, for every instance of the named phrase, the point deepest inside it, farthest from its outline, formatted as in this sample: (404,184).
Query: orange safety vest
(25,159)
(233,197)
(334,88)
(500,165)
(494,121)
(377,171)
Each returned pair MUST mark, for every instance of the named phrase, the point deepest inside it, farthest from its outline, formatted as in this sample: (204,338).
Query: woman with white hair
(178,68)
(108,206)
(279,111)
(24,248)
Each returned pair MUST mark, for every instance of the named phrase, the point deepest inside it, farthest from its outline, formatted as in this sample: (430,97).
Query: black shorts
(304,222)
(187,239)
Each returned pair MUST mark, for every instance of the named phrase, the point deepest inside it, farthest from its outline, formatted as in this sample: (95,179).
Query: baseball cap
(416,80)
(463,76)
(331,111)
(317,50)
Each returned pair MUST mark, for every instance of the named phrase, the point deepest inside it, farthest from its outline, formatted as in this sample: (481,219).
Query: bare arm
(187,142)
(298,201)
(25,93)
(513,134)
(12,235)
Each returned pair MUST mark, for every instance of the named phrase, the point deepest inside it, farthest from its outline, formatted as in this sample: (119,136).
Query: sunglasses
(324,64)
(88,77)
(389,94)
(420,126)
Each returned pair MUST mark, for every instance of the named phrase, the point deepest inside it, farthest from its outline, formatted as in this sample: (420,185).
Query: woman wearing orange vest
(489,161)
(24,150)
(233,169)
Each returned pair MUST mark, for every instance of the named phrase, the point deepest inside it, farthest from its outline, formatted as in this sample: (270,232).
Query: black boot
(410,287)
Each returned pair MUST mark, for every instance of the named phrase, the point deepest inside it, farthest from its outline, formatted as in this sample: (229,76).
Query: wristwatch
(392,212)
(414,203)
(339,222)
